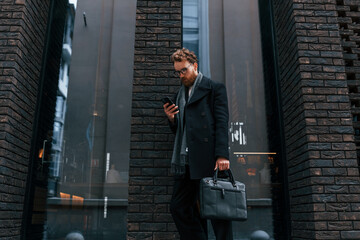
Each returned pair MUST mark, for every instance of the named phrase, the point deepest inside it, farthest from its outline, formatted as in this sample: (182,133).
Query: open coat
(207,118)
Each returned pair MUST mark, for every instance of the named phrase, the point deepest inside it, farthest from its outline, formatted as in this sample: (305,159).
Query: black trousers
(185,212)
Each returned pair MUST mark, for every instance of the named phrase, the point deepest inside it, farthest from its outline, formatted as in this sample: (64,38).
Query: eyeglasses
(182,71)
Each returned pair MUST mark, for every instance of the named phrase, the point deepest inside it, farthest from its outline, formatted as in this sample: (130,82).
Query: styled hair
(184,54)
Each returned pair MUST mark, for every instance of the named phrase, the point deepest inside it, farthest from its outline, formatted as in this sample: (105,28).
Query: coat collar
(202,89)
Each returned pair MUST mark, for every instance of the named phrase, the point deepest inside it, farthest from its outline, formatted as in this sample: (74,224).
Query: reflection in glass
(86,153)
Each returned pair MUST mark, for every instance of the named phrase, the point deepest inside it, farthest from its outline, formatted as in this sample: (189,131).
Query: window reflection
(85,156)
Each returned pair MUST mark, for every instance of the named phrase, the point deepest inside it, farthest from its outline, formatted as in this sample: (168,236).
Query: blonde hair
(184,54)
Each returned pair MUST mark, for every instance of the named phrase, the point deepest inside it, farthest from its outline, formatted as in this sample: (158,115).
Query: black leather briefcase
(222,198)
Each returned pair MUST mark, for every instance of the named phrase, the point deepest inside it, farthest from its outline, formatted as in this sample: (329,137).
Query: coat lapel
(202,90)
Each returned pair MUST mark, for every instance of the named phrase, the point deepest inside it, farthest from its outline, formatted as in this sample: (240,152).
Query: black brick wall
(158,35)
(322,166)
(22,34)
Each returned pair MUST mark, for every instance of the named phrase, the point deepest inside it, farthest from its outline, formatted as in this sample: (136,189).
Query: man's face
(187,72)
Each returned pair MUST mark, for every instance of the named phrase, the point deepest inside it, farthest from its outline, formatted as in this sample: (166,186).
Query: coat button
(205,126)
(203,114)
(206,140)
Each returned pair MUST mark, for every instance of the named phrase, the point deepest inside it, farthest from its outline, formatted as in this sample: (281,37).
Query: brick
(305,25)
(139,217)
(350,154)
(325,216)
(353,171)
(341,129)
(336,189)
(141,162)
(156,208)
(350,234)
(140,235)
(347,180)
(161,4)
(162,198)
(348,138)
(345,163)
(165,236)
(329,121)
(152,227)
(323,198)
(348,197)
(145,23)
(153,171)
(334,171)
(327,235)
(343,146)
(158,16)
(162,217)
(337,98)
(336,207)
(146,10)
(133,227)
(339,114)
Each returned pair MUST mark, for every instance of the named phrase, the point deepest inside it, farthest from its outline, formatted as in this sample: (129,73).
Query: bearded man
(199,118)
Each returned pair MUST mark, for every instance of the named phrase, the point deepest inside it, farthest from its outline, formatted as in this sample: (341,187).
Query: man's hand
(222,163)
(170,111)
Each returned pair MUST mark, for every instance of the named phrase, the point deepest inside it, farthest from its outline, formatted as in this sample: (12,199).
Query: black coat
(207,117)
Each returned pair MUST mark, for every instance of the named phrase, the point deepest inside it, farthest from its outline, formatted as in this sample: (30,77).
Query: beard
(188,81)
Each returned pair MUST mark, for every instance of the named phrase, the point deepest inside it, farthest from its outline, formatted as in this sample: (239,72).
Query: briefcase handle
(232,180)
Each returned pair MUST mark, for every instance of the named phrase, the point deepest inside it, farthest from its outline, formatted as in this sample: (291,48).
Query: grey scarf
(179,155)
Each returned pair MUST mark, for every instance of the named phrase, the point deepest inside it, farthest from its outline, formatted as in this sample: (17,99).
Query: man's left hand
(222,164)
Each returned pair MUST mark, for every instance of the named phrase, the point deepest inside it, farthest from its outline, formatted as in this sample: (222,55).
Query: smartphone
(167,100)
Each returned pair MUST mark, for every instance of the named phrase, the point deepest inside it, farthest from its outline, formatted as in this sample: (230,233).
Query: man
(199,118)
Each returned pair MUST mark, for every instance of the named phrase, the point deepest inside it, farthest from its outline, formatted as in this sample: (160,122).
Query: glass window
(82,163)
(196,31)
(226,34)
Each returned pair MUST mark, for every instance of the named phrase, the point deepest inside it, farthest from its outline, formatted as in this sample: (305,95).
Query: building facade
(85,147)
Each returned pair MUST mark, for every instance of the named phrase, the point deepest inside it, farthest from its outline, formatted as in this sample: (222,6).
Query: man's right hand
(170,111)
